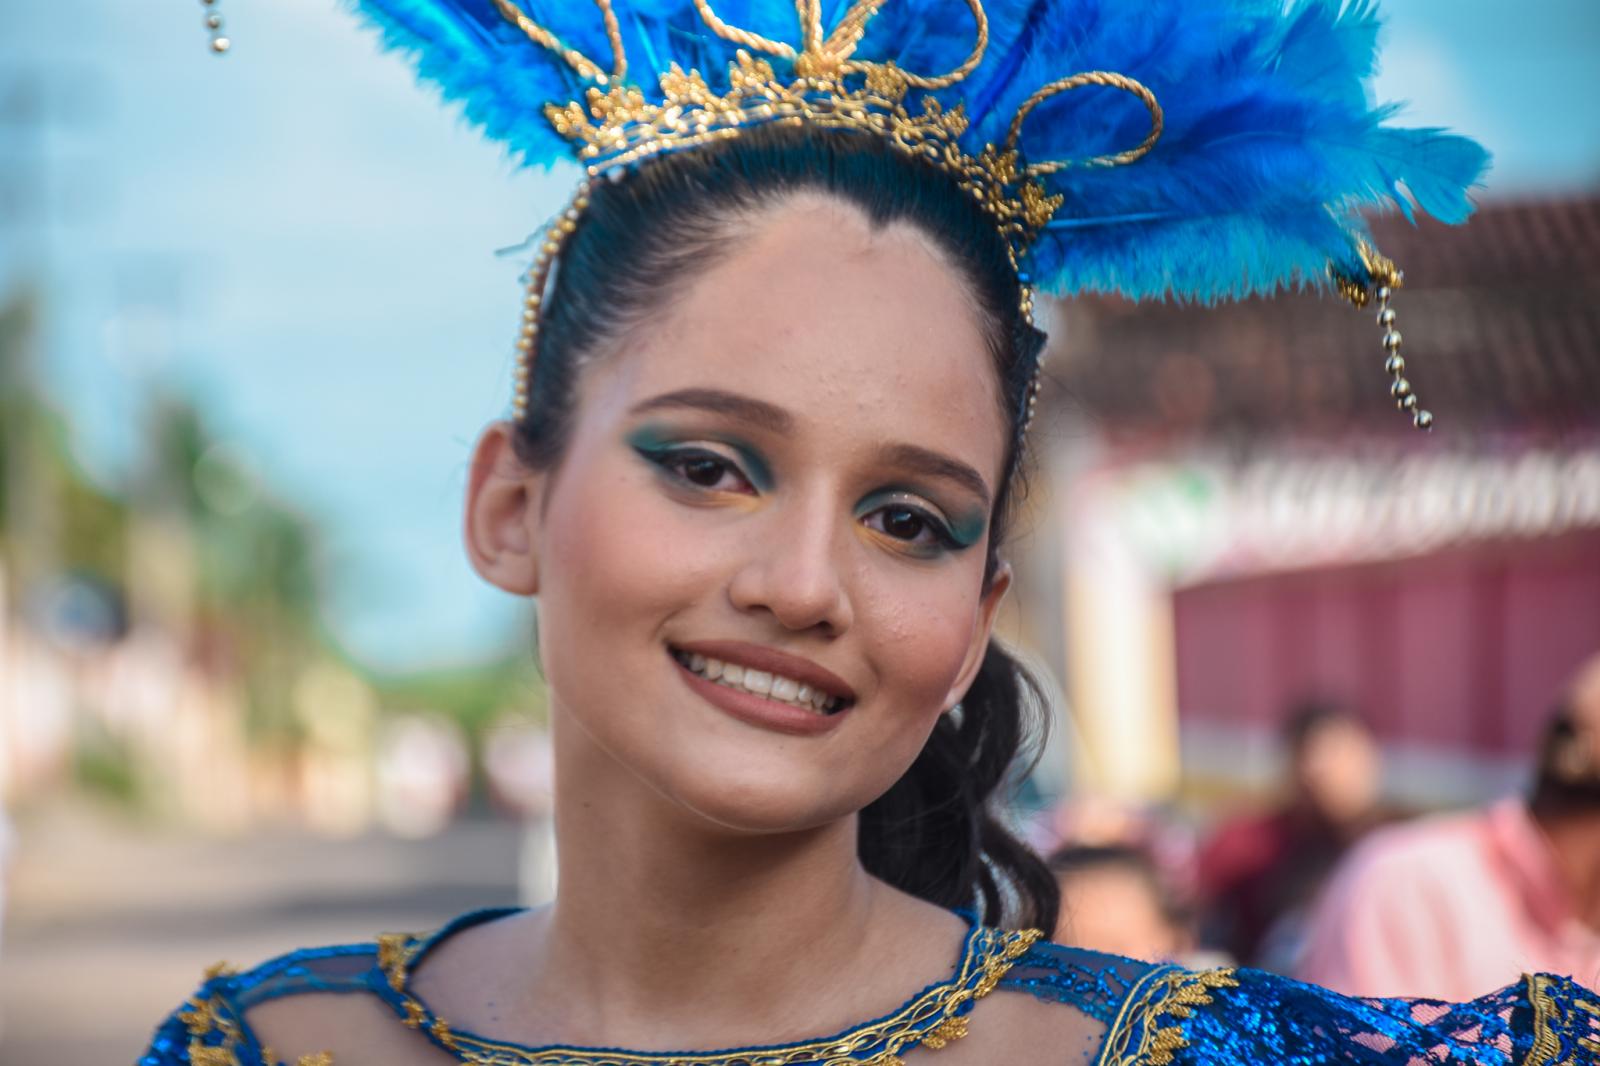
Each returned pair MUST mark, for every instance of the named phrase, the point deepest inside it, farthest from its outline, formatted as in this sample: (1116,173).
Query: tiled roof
(1501,326)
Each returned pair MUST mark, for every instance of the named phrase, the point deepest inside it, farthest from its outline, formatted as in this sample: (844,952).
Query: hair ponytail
(938,834)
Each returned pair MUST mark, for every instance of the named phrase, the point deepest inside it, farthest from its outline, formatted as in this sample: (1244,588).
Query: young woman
(777,370)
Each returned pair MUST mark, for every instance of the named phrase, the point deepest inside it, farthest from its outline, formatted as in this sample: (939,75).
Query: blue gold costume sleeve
(1188,1018)
(210,1028)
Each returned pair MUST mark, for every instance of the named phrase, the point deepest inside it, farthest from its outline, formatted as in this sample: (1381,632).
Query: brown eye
(704,471)
(903,523)
(913,529)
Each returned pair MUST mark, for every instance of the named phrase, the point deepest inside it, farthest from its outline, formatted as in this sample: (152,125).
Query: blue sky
(302,239)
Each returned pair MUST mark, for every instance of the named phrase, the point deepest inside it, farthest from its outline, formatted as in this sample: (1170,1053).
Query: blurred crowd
(1329,886)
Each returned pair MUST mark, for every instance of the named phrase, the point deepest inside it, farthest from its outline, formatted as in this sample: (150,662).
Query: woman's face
(784,477)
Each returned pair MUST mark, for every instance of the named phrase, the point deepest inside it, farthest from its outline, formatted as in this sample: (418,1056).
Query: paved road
(109,924)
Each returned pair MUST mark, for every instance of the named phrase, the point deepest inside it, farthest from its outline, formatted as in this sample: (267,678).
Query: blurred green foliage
(191,541)
(473,695)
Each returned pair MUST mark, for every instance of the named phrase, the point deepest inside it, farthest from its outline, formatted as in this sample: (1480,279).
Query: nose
(793,570)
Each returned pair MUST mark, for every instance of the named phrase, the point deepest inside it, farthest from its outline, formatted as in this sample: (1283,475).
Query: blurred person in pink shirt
(1447,906)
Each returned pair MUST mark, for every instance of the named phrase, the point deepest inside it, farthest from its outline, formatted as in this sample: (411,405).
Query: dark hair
(1566,777)
(1310,717)
(642,238)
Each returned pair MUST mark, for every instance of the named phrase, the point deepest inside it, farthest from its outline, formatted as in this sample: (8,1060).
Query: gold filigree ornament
(615,125)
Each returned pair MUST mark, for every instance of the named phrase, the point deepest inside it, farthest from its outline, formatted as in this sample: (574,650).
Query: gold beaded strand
(1036,383)
(560,228)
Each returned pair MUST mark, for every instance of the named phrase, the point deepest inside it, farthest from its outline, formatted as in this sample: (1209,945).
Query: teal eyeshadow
(967,529)
(760,473)
(656,440)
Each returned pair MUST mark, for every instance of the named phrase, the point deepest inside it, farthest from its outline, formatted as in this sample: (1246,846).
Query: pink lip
(773,662)
(757,710)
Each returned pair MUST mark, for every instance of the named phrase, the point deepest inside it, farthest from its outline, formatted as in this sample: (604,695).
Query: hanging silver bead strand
(1399,388)
(219,41)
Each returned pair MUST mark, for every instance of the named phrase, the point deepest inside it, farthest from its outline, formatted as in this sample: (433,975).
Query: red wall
(1461,651)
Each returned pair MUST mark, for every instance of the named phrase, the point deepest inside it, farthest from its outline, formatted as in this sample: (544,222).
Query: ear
(500,525)
(982,629)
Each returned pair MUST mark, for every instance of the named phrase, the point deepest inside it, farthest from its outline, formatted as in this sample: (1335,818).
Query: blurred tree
(53,517)
(254,593)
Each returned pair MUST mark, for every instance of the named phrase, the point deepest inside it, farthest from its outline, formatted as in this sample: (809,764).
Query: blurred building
(1239,518)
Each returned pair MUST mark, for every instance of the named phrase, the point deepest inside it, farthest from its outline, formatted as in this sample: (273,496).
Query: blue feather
(1272,144)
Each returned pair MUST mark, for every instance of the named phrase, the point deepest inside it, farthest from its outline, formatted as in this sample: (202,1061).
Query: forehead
(866,335)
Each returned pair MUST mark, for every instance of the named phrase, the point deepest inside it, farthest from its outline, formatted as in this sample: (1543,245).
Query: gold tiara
(615,125)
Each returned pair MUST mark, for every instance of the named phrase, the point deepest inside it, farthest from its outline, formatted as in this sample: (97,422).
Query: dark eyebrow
(934,464)
(718,401)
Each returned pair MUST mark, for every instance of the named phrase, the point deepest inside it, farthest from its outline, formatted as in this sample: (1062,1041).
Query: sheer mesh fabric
(1093,983)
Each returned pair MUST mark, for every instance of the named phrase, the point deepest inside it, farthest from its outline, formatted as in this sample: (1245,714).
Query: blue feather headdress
(1222,148)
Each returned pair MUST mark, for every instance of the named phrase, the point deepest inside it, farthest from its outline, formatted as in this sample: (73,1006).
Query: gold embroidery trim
(1546,1021)
(202,1019)
(1162,996)
(213,1014)
(1546,1044)
(991,953)
(395,952)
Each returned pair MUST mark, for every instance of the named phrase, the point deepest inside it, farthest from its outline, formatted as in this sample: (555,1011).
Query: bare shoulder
(348,1029)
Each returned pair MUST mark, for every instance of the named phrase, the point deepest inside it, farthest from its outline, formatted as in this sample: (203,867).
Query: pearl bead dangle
(219,42)
(1399,388)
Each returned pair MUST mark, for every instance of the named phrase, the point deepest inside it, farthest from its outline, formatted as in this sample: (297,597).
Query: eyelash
(675,461)
(943,540)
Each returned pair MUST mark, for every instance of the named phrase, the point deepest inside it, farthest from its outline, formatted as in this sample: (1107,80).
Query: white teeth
(759,682)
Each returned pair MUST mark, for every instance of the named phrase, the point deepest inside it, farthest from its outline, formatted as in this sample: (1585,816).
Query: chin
(755,797)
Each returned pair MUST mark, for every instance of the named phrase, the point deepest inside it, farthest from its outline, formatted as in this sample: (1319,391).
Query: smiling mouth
(761,683)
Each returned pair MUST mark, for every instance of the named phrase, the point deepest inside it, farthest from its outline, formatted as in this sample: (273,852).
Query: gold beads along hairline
(555,235)
(219,41)
(1036,382)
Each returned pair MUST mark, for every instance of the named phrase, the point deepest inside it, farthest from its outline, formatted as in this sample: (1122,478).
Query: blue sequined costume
(1137,1014)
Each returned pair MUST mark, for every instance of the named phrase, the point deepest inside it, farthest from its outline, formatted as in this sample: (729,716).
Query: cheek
(611,569)
(921,630)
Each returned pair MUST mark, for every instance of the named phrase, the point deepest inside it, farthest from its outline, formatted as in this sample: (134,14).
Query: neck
(1575,839)
(662,915)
